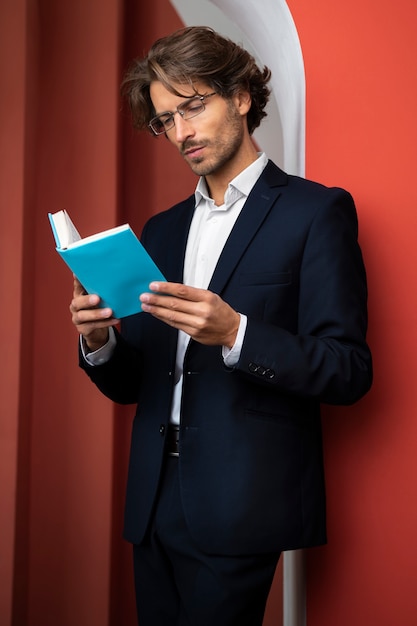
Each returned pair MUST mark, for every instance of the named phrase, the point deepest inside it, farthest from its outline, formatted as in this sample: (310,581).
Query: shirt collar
(240,186)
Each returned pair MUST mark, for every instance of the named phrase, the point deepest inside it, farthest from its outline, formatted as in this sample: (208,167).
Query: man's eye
(166,120)
(192,107)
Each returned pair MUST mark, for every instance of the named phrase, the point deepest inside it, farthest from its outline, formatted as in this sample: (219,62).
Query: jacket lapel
(179,236)
(258,205)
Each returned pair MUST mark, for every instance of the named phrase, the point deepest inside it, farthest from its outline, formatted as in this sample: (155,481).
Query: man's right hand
(90,321)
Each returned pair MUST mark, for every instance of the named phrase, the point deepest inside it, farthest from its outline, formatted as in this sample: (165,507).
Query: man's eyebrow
(186,99)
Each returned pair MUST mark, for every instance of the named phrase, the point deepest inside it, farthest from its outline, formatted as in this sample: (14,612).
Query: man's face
(212,140)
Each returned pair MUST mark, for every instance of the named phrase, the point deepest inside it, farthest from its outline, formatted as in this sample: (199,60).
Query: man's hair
(191,55)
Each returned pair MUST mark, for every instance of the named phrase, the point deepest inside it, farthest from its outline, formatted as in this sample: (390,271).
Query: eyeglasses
(189,109)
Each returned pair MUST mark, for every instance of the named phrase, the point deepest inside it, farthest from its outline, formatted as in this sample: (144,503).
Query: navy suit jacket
(251,462)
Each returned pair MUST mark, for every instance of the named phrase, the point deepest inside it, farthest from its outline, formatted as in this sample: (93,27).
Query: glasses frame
(180,112)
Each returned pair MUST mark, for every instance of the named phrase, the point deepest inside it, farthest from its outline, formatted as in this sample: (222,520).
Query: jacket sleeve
(327,358)
(119,377)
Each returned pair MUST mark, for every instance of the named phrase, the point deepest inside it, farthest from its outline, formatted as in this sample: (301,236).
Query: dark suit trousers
(178,585)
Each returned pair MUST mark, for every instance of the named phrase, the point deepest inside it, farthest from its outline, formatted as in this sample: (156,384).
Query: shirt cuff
(231,356)
(103,354)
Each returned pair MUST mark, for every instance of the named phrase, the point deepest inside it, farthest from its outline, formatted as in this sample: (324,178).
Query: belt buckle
(173,440)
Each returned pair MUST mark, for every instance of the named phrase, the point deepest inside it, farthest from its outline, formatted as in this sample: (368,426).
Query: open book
(112,264)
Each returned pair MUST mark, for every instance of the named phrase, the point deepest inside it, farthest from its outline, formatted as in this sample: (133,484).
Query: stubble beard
(223,150)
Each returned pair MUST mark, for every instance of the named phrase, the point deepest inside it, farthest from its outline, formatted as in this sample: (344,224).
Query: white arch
(267,30)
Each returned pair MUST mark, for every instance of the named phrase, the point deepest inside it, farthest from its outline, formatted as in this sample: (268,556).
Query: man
(262,318)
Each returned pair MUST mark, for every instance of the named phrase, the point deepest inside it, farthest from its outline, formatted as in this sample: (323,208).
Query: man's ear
(243,102)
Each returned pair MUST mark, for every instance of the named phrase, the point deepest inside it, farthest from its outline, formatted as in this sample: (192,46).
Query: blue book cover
(112,264)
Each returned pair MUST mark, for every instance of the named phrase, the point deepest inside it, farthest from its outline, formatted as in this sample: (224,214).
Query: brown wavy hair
(190,55)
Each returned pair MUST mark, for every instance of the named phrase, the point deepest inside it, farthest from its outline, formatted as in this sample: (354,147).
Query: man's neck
(218,182)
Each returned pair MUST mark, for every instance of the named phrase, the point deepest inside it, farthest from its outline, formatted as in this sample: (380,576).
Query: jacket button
(162,430)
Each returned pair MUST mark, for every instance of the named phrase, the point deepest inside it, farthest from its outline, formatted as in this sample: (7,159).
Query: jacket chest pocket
(253,279)
(269,296)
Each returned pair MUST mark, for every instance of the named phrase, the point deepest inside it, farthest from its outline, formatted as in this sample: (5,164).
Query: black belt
(172,444)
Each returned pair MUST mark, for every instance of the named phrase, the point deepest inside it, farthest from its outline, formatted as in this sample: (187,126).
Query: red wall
(65,143)
(361,68)
(12,45)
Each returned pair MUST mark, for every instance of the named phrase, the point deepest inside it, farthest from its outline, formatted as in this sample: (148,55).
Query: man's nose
(183,128)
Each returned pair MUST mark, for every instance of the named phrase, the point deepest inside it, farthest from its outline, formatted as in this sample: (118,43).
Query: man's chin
(199,167)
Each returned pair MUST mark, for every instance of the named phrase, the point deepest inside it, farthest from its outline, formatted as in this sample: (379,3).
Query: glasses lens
(191,108)
(187,110)
(162,123)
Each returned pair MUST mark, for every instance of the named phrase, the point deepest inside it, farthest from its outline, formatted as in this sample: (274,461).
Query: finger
(185,315)
(83,316)
(86,310)
(169,307)
(178,290)
(81,302)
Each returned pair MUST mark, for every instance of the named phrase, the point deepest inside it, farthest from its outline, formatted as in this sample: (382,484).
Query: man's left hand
(200,313)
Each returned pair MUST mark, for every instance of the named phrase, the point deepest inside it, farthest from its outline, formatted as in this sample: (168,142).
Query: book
(112,264)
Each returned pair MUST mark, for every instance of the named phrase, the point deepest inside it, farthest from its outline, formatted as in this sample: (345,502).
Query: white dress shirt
(210,227)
